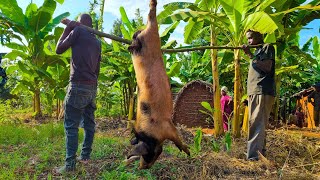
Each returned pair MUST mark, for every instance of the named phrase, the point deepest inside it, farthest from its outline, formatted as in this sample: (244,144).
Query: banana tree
(244,15)
(32,29)
(232,24)
(241,16)
(56,70)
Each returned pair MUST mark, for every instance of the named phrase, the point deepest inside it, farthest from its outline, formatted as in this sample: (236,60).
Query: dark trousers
(79,108)
(259,111)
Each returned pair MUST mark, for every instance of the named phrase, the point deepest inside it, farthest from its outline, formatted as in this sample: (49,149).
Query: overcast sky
(112,13)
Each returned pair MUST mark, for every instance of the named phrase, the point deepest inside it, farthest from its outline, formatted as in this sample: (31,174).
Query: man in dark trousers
(261,92)
(79,103)
(315,96)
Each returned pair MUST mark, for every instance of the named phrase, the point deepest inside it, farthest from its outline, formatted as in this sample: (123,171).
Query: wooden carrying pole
(205,47)
(101,34)
(126,41)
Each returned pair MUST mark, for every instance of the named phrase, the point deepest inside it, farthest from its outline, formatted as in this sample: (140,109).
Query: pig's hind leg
(175,138)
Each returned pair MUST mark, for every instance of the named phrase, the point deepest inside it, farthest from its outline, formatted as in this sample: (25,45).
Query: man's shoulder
(79,29)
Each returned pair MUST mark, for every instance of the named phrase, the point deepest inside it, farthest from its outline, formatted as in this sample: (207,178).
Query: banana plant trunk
(237,95)
(131,88)
(217,114)
(130,115)
(37,103)
(277,102)
(58,108)
(125,99)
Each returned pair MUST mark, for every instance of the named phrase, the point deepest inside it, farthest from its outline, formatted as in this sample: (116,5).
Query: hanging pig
(154,111)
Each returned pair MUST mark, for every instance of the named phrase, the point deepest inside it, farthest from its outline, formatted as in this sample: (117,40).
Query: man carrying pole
(79,103)
(261,92)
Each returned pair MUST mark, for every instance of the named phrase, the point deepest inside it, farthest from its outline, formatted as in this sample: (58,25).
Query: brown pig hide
(154,108)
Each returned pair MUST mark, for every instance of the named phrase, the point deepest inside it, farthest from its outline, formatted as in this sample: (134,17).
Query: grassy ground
(32,151)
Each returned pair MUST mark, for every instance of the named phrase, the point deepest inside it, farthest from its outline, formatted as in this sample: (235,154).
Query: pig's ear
(139,150)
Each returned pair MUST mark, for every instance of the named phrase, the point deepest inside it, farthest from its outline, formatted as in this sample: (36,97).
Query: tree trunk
(33,103)
(37,103)
(217,115)
(277,79)
(58,108)
(131,106)
(124,92)
(237,95)
(130,115)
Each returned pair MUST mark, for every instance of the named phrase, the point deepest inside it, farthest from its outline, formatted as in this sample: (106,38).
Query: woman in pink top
(226,107)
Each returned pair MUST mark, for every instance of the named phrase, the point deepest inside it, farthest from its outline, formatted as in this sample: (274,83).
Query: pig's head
(146,148)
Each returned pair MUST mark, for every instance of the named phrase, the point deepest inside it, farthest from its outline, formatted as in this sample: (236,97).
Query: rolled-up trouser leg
(259,111)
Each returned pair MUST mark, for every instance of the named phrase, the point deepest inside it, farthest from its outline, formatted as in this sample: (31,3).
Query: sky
(111,13)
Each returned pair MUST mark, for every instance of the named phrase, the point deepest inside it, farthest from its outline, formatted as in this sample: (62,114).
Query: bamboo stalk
(126,41)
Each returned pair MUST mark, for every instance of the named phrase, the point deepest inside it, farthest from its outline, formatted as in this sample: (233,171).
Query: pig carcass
(154,109)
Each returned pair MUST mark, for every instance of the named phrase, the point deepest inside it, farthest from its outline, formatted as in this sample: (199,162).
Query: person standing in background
(226,107)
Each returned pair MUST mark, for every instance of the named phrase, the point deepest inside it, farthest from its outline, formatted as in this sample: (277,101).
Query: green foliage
(12,111)
(166,35)
(197,140)
(170,8)
(116,28)
(209,110)
(225,142)
(207,106)
(32,58)
(105,147)
(215,145)
(228,141)
(261,22)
